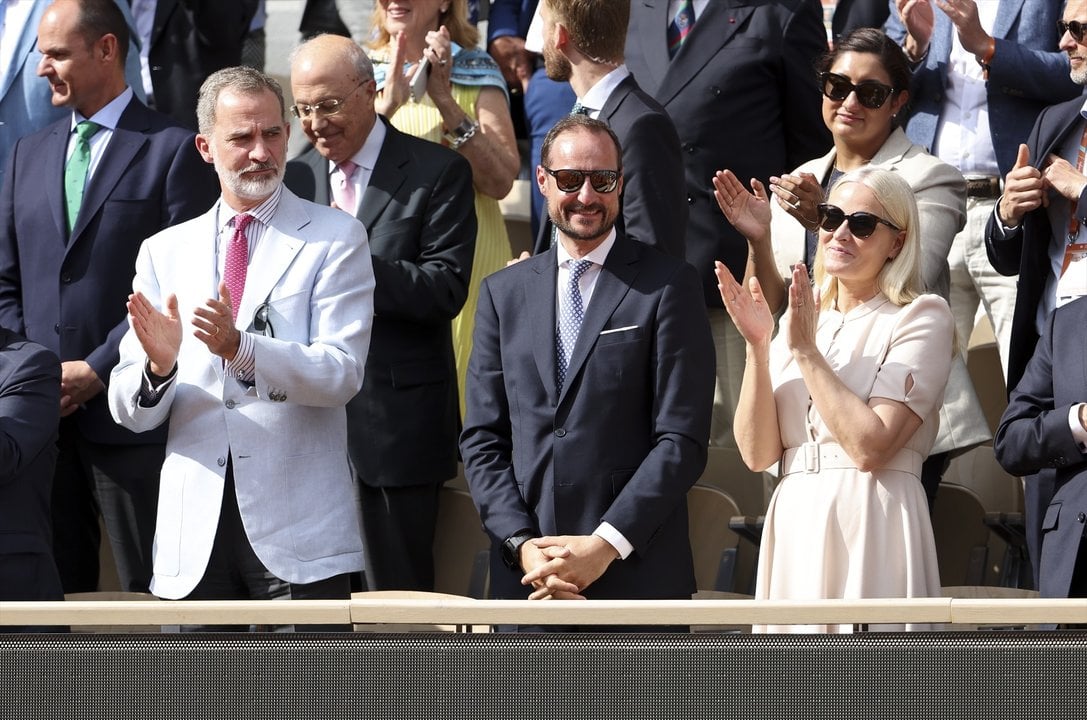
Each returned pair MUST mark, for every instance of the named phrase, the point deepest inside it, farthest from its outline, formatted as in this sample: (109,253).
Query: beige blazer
(941,204)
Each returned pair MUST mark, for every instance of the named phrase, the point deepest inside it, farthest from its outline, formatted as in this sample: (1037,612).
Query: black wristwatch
(511,548)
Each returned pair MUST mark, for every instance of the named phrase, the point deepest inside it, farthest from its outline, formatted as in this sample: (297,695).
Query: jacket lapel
(55,151)
(712,30)
(1061,124)
(893,149)
(278,248)
(616,98)
(385,180)
(540,303)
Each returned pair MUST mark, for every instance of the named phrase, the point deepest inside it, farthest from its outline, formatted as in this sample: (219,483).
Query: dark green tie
(75,173)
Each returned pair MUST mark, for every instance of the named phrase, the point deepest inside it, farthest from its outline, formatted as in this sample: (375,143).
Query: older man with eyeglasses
(1037,231)
(416,201)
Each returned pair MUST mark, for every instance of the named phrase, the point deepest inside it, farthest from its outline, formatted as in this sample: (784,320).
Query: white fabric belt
(814,457)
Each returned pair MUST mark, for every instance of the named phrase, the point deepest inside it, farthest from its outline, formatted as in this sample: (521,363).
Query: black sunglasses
(861,224)
(570,181)
(1073,27)
(871,94)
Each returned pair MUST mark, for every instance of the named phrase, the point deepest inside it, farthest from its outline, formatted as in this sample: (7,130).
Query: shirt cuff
(615,539)
(243,367)
(1078,433)
(154,386)
(1006,231)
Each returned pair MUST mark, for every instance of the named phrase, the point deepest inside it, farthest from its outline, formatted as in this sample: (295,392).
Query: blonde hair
(454,17)
(900,279)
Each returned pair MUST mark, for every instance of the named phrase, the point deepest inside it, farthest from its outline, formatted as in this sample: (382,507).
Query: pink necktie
(237,261)
(343,191)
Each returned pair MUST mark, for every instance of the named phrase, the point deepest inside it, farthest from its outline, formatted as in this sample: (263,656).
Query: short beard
(571,232)
(251,188)
(556,65)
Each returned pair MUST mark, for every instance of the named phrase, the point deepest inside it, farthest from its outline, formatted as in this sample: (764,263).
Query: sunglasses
(870,93)
(570,181)
(861,224)
(1073,27)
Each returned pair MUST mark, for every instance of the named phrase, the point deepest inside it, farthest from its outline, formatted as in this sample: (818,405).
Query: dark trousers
(398,532)
(120,482)
(234,571)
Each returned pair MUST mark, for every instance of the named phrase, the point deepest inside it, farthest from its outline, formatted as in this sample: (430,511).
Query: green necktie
(75,173)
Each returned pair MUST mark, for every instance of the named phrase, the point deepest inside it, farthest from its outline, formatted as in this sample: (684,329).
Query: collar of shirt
(109,115)
(366,157)
(1083,109)
(598,94)
(588,280)
(262,213)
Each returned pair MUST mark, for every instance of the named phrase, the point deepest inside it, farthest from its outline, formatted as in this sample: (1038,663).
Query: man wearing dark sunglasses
(1038,233)
(583,43)
(589,396)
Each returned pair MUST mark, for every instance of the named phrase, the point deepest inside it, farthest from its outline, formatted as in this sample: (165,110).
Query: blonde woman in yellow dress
(464,106)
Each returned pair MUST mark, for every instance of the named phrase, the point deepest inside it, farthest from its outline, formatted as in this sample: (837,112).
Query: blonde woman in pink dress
(845,398)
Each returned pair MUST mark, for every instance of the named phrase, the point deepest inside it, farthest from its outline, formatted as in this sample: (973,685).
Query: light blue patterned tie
(570,317)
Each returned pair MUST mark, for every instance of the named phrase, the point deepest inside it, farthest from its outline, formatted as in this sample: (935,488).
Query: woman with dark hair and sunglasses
(846,398)
(864,81)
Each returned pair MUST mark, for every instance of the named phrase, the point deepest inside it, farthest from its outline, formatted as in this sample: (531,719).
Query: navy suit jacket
(419,214)
(1025,252)
(624,440)
(654,193)
(1027,73)
(743,95)
(29,413)
(1034,435)
(69,294)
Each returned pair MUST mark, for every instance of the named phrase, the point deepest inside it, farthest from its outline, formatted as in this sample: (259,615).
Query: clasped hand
(561,567)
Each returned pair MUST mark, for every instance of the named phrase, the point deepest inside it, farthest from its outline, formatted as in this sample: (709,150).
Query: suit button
(66,278)
(230,404)
(689,148)
(716,91)
(221,461)
(56,328)
(690,200)
(1081,517)
(560,432)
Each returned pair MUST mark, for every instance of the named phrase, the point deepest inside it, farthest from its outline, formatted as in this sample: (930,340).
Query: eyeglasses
(325,108)
(1075,28)
(861,224)
(871,94)
(570,181)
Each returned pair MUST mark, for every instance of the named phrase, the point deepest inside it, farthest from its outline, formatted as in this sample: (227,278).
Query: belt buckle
(811,457)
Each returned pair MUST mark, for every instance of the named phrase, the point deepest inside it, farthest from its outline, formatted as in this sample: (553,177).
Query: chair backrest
(713,544)
(460,546)
(962,538)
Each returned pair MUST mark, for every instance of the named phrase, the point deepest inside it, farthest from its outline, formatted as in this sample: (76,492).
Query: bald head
(332,81)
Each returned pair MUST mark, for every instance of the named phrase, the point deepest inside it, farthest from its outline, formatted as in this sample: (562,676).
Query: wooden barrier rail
(446,611)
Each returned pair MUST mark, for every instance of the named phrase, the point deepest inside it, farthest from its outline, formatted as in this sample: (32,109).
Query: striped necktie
(680,27)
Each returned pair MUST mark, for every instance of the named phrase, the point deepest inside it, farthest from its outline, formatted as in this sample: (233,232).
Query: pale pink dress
(838,532)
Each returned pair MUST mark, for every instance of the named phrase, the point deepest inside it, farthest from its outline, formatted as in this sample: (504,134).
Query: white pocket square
(622,329)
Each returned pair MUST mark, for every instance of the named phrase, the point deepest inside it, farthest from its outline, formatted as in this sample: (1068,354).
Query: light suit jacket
(941,203)
(287,433)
